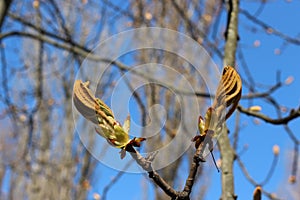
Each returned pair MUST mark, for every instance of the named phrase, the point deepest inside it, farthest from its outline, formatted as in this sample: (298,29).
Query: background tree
(43,44)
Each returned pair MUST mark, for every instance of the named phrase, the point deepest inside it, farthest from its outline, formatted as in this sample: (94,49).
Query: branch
(195,33)
(251,180)
(193,170)
(64,43)
(226,151)
(268,27)
(293,115)
(146,165)
(263,94)
(77,49)
(231,33)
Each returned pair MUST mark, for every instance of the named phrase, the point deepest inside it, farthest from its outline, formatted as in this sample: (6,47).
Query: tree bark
(226,151)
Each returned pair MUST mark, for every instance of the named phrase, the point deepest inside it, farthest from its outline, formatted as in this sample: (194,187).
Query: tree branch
(226,151)
(146,165)
(293,115)
(269,28)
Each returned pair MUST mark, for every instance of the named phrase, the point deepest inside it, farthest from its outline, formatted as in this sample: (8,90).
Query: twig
(285,120)
(251,180)
(193,171)
(268,27)
(146,165)
(263,94)
(226,151)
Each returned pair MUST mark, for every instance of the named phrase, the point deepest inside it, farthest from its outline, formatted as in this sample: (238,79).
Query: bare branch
(146,165)
(251,180)
(293,115)
(227,153)
(269,28)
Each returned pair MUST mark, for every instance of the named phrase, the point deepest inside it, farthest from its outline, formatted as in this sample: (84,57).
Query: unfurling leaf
(228,94)
(96,111)
(229,91)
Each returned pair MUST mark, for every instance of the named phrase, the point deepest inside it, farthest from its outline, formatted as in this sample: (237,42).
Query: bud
(276,150)
(219,163)
(255,108)
(257,193)
(84,2)
(283,109)
(273,196)
(85,184)
(50,102)
(256,121)
(256,43)
(269,30)
(96,196)
(289,80)
(277,51)
(292,179)
(148,16)
(35,4)
(22,118)
(207,18)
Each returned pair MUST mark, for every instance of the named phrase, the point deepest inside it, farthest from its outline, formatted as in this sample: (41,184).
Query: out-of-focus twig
(285,120)
(269,28)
